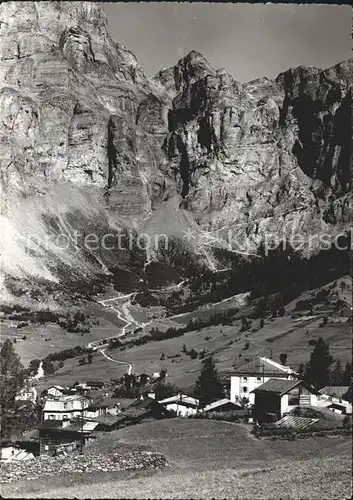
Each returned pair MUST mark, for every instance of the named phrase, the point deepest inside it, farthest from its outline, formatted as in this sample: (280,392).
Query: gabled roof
(220,403)
(144,403)
(181,400)
(96,406)
(338,406)
(134,412)
(263,366)
(84,426)
(108,419)
(334,390)
(281,386)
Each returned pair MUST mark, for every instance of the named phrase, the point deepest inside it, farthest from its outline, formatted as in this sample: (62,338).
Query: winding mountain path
(130,365)
(123,313)
(125,316)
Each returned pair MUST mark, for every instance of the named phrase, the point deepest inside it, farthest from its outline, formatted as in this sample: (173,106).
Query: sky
(248,40)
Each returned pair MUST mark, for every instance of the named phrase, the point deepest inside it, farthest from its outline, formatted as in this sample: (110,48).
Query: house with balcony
(246,378)
(66,407)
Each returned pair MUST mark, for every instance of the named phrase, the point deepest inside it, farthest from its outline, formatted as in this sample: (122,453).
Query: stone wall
(44,466)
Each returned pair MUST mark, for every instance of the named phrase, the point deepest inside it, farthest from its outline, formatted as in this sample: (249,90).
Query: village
(263,394)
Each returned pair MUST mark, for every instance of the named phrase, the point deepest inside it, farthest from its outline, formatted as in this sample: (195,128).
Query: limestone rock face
(81,125)
(267,157)
(62,78)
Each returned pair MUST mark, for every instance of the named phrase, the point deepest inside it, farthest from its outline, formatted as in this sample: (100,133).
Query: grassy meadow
(208,459)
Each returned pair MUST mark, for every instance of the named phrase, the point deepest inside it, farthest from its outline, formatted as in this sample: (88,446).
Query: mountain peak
(193,55)
(187,70)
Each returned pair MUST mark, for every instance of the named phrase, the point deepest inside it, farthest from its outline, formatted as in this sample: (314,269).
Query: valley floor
(209,459)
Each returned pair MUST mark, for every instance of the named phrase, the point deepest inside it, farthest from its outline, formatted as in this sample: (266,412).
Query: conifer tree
(347,375)
(208,386)
(336,373)
(12,378)
(317,370)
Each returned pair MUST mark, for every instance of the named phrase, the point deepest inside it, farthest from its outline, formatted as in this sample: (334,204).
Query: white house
(181,404)
(337,408)
(27,393)
(331,397)
(55,391)
(65,407)
(248,377)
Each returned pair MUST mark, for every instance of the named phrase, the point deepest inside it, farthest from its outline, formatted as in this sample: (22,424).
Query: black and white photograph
(175,250)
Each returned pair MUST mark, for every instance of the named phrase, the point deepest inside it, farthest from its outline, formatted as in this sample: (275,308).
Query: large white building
(65,407)
(248,377)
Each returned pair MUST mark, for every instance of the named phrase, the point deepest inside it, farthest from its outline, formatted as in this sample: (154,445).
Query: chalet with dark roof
(56,435)
(279,396)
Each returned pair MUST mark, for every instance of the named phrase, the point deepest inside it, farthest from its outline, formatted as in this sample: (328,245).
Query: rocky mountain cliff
(88,141)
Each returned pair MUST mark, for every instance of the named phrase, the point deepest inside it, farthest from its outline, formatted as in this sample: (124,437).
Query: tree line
(322,370)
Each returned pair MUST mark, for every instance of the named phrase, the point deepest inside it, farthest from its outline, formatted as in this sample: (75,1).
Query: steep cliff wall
(70,143)
(263,157)
(86,136)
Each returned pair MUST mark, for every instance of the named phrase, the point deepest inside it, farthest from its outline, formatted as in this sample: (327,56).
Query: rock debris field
(45,466)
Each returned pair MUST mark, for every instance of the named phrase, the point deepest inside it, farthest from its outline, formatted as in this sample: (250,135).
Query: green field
(280,335)
(290,335)
(100,369)
(209,459)
(42,340)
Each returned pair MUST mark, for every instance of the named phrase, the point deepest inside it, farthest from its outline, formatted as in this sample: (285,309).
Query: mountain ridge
(265,158)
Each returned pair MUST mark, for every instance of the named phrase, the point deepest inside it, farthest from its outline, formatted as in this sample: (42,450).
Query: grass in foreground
(209,460)
(311,479)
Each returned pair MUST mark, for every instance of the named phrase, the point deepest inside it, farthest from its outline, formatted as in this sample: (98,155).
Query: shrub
(193,354)
(281,312)
(22,324)
(48,367)
(302,305)
(66,354)
(227,416)
(324,322)
(245,324)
